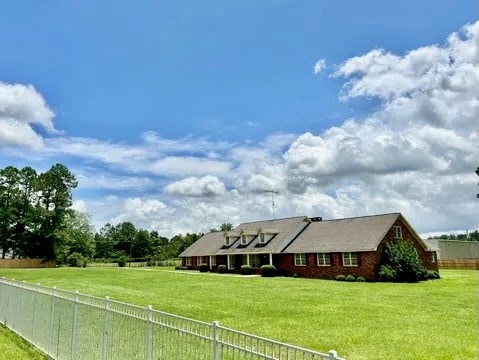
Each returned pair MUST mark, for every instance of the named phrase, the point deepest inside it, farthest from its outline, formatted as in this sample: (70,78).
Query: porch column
(211,266)
(247,259)
(271,258)
(227,261)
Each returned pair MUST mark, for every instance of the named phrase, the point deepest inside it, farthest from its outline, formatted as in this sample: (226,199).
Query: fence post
(34,312)
(74,326)
(52,317)
(148,333)
(333,355)
(215,340)
(105,327)
(2,287)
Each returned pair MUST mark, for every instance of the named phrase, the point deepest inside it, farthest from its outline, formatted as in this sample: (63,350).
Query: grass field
(13,347)
(430,320)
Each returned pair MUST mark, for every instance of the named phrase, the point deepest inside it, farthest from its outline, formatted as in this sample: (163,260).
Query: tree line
(466,236)
(37,221)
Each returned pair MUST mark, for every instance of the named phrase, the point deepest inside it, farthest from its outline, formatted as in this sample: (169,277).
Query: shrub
(177,267)
(386,273)
(350,278)
(203,268)
(360,279)
(268,270)
(246,270)
(221,269)
(340,278)
(402,257)
(433,274)
(122,261)
(75,259)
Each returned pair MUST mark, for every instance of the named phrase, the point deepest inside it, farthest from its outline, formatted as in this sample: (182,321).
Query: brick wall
(368,261)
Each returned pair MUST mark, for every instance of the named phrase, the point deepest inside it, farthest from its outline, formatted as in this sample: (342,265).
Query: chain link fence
(66,325)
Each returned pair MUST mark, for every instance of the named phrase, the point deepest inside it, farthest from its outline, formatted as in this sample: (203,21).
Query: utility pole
(273,192)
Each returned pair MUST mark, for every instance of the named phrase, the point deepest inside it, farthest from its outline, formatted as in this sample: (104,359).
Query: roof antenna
(273,192)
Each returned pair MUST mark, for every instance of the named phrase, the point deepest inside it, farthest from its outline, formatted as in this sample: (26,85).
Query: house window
(262,238)
(397,232)
(432,257)
(324,259)
(244,239)
(213,260)
(188,261)
(227,240)
(299,259)
(350,259)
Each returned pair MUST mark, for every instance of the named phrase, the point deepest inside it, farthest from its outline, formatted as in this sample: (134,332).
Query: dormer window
(262,238)
(244,239)
(397,232)
(227,240)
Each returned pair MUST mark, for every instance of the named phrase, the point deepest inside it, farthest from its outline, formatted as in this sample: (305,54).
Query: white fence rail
(66,325)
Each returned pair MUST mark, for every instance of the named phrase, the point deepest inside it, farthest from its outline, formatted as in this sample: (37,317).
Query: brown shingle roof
(351,234)
(205,245)
(286,228)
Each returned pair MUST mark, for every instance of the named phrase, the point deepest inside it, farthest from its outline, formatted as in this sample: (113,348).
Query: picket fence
(67,325)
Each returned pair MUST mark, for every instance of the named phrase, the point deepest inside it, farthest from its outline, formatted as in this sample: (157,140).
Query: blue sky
(151,99)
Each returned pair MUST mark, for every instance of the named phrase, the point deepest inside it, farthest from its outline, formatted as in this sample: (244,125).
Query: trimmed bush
(433,275)
(386,273)
(246,270)
(340,278)
(402,257)
(350,278)
(76,260)
(203,268)
(268,270)
(221,269)
(122,261)
(360,279)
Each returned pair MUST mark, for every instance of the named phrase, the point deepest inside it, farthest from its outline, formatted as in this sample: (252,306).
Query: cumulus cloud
(20,107)
(415,153)
(205,186)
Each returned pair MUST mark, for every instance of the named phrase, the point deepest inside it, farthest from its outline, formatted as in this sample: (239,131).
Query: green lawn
(430,320)
(12,347)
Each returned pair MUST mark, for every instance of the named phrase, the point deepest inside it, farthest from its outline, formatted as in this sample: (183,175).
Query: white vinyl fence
(66,325)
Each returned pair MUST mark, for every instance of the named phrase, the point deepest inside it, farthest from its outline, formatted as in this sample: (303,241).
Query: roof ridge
(363,216)
(285,218)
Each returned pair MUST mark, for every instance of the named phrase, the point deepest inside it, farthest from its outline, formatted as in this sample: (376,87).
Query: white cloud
(79,205)
(415,153)
(188,165)
(319,66)
(206,186)
(20,107)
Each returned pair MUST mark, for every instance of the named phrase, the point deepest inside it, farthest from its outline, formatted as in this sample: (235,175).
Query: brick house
(308,247)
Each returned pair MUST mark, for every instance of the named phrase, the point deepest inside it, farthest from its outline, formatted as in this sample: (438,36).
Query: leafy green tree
(126,233)
(9,177)
(223,227)
(77,237)
(54,199)
(141,246)
(105,241)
